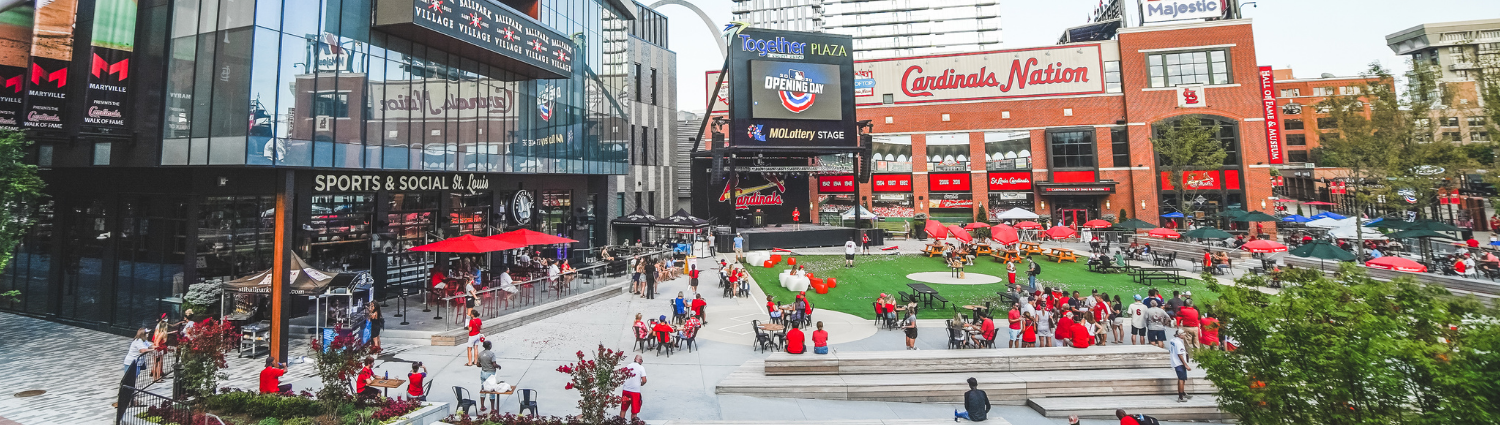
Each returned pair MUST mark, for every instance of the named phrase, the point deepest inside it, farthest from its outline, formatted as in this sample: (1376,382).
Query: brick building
(1060,130)
(1305,125)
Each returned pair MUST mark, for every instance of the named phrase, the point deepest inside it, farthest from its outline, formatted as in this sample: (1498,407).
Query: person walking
(650,279)
(487,368)
(1010,272)
(739,247)
(910,325)
(1032,270)
(1177,351)
(849,253)
(630,391)
(1013,318)
(475,325)
(976,404)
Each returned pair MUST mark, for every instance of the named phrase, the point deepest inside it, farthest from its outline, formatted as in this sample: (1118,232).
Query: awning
(306,280)
(637,218)
(680,219)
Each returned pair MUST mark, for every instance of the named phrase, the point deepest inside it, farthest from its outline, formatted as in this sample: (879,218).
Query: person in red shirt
(1209,336)
(1081,335)
(414,382)
(1125,419)
(270,377)
(1187,319)
(1014,319)
(987,328)
(662,330)
(698,304)
(1028,330)
(820,340)
(362,383)
(474,326)
(1064,328)
(794,340)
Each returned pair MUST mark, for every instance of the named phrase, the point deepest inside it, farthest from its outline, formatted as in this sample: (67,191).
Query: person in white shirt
(507,284)
(1177,351)
(139,347)
(849,250)
(553,273)
(630,391)
(1137,313)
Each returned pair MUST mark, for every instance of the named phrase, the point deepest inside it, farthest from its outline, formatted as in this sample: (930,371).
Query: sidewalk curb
(514,320)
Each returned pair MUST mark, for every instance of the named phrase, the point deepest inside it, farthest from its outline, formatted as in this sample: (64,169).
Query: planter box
(432,413)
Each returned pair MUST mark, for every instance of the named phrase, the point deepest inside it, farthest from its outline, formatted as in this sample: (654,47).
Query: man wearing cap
(1177,351)
(662,330)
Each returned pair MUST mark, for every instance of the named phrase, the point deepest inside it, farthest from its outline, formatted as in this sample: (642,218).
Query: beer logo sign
(796,90)
(544,99)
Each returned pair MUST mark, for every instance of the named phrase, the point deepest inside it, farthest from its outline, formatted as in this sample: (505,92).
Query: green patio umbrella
(1322,250)
(1436,226)
(1390,223)
(1135,224)
(1207,233)
(1234,213)
(1255,216)
(1418,233)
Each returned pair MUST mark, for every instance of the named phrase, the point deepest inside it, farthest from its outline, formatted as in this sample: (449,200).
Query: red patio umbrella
(1028,225)
(1060,232)
(528,237)
(468,244)
(1163,233)
(1396,263)
(975,225)
(1263,246)
(1097,224)
(935,229)
(1004,234)
(960,233)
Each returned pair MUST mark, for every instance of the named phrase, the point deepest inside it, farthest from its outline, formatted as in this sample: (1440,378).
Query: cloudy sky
(1312,37)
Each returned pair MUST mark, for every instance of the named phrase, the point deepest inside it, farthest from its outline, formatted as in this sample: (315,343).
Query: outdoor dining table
(771,327)
(1139,274)
(1031,248)
(923,291)
(385,384)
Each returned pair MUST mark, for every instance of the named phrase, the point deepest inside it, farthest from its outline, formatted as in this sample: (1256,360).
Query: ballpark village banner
(1273,121)
(15,56)
(1000,74)
(792,89)
(109,64)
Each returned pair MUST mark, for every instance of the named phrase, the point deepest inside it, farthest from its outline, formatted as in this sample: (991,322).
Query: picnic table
(1060,254)
(1030,248)
(1007,255)
(932,250)
(983,249)
(1145,275)
(927,294)
(385,384)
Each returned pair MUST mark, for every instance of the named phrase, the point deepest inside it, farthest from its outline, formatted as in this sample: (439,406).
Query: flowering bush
(513,419)
(596,381)
(395,408)
(339,362)
(201,355)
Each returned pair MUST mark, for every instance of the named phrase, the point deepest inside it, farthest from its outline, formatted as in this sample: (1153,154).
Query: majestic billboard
(800,86)
(1177,10)
(1001,74)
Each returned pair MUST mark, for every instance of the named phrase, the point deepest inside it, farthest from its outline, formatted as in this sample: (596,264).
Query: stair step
(1163,407)
(993,420)
(1007,388)
(968,361)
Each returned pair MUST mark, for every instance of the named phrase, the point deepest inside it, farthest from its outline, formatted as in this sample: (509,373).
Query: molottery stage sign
(1000,74)
(791,89)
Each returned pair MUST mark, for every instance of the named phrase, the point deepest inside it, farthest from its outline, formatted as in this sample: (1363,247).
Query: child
(1010,271)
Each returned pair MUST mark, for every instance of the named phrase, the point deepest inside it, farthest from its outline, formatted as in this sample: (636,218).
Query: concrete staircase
(1055,381)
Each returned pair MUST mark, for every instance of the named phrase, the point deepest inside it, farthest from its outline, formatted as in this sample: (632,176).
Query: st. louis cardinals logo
(748,197)
(435,5)
(1190,96)
(509,34)
(797,92)
(475,19)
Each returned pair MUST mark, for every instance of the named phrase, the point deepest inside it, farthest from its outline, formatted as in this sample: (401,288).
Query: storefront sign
(951,200)
(521,206)
(797,83)
(1013,196)
(835,184)
(1079,189)
(1010,181)
(1192,180)
(956,182)
(1045,71)
(376,182)
(1273,122)
(1191,97)
(891,183)
(1176,10)
(490,26)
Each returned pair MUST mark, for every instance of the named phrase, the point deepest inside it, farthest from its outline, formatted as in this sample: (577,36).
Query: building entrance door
(1073,217)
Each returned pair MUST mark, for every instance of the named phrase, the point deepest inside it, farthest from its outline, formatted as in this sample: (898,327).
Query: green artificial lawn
(876,274)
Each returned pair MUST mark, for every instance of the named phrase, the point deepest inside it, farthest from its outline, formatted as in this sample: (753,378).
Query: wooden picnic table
(983,249)
(1060,254)
(385,384)
(1031,248)
(1144,275)
(1007,255)
(932,250)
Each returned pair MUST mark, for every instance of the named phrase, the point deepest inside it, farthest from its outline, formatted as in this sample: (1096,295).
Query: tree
(22,189)
(339,362)
(1187,144)
(1354,350)
(596,381)
(201,355)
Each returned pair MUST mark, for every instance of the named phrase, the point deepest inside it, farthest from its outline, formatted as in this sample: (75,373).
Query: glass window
(1322,91)
(1071,149)
(1120,146)
(1008,150)
(102,152)
(1327,122)
(1296,156)
(948,152)
(1291,92)
(1476,121)
(1296,139)
(1292,124)
(1200,67)
(1112,77)
(1227,135)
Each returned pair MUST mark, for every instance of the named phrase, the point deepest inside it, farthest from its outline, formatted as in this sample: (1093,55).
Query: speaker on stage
(864,162)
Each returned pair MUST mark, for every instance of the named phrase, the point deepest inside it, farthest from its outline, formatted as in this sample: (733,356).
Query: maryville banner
(1274,151)
(1000,74)
(15,56)
(109,64)
(51,53)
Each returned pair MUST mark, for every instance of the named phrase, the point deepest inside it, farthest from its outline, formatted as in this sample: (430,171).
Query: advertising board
(800,89)
(483,29)
(1000,74)
(1274,148)
(1177,10)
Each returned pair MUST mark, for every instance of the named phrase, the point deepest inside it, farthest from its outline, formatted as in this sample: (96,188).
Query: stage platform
(806,236)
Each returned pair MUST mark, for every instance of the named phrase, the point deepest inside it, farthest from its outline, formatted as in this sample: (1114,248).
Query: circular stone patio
(947,278)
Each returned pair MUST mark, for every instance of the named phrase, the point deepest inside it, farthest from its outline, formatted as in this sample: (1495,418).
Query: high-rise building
(1463,52)
(651,98)
(885,28)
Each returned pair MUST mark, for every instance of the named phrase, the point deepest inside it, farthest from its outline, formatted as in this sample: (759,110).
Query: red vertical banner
(1274,146)
(51,53)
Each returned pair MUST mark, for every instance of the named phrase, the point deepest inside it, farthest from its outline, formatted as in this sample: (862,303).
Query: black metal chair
(642,341)
(956,338)
(690,339)
(662,336)
(762,339)
(528,401)
(464,402)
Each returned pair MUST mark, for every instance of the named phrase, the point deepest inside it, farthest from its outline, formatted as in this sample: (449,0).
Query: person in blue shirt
(1375,253)
(739,248)
(679,306)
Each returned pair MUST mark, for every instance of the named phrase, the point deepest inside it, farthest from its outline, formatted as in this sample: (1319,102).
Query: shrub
(596,381)
(201,355)
(269,421)
(304,420)
(261,406)
(339,362)
(395,408)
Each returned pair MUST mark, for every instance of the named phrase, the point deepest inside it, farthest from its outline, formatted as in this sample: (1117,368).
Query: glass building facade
(246,92)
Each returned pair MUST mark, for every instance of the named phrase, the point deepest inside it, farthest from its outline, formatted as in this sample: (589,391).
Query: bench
(1029,248)
(932,251)
(906,298)
(939,298)
(1173,277)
